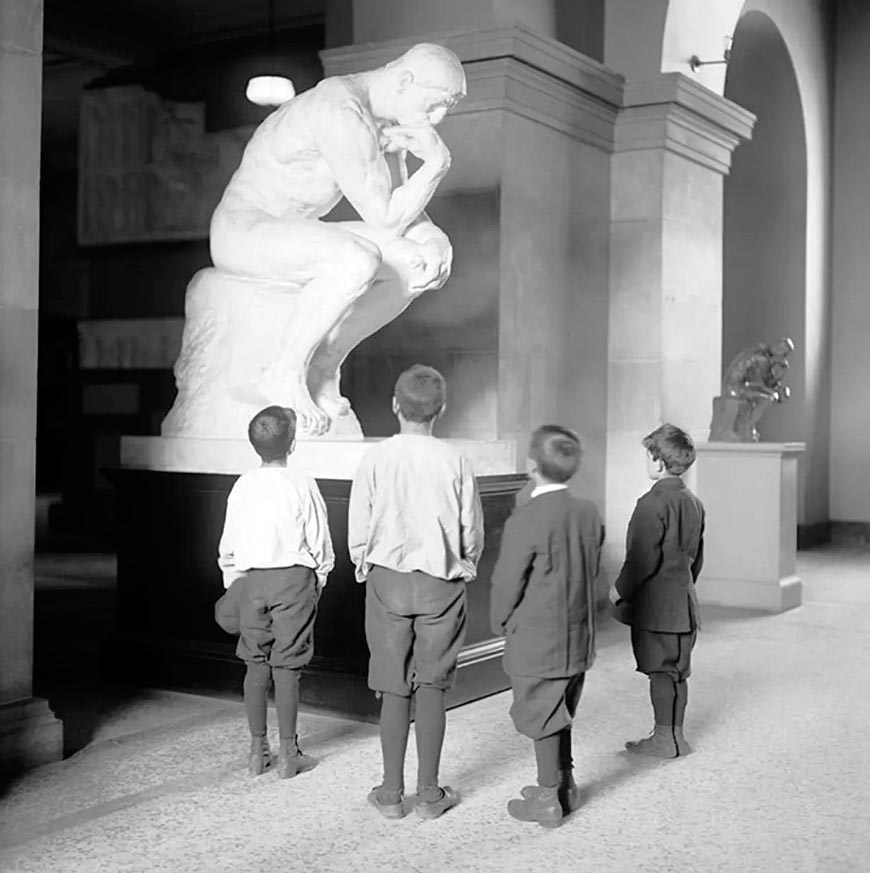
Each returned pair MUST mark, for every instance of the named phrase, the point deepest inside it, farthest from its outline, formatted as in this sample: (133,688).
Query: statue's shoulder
(337,95)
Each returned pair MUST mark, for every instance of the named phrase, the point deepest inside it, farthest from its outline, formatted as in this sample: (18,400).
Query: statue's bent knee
(355,264)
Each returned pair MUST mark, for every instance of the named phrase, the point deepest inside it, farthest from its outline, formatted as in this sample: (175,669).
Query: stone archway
(765,214)
(791,35)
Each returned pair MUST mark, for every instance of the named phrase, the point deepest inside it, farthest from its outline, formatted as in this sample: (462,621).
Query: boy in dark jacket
(543,601)
(655,590)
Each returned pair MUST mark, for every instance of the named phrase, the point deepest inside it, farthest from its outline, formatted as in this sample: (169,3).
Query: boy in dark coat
(655,590)
(543,601)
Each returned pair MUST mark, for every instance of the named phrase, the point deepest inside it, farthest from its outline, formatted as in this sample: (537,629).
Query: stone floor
(780,781)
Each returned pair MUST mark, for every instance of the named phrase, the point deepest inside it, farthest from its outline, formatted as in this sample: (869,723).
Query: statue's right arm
(348,142)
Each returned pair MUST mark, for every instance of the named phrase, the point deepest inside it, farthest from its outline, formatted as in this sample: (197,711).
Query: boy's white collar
(543,489)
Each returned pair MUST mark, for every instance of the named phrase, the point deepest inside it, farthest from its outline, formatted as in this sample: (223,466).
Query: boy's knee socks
(430,722)
(682,699)
(258,678)
(566,759)
(395,723)
(547,758)
(663,694)
(286,701)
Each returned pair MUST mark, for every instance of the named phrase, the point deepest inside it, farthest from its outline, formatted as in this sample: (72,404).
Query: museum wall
(850,398)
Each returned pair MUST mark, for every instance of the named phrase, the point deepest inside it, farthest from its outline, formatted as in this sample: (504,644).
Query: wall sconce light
(695,62)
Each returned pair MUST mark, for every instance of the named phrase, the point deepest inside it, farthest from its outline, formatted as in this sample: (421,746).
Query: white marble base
(30,735)
(323,459)
(750,493)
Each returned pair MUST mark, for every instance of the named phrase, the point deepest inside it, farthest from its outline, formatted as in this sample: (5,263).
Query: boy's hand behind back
(613,595)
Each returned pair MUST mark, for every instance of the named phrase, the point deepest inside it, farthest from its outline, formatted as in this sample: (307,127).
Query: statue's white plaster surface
(291,295)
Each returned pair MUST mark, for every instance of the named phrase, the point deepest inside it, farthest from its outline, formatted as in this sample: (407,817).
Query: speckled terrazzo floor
(779,714)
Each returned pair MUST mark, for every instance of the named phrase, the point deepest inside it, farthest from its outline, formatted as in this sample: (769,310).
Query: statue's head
(425,83)
(782,348)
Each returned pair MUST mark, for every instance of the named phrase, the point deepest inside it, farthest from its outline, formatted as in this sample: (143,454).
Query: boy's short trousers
(276,610)
(415,628)
(657,652)
(542,707)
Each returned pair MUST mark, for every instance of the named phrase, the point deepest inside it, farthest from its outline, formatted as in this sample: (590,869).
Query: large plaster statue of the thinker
(347,137)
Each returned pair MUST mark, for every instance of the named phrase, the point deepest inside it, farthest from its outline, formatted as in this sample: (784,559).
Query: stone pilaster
(673,146)
(29,733)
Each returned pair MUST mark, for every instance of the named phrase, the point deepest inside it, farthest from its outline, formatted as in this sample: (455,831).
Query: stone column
(674,140)
(29,733)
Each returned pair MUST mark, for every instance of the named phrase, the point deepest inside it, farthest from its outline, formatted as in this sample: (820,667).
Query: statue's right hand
(422,142)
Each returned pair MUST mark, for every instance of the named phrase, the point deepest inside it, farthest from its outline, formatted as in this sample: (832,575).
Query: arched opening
(765,215)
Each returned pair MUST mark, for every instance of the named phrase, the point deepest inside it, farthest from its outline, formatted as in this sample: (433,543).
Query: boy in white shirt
(275,554)
(415,534)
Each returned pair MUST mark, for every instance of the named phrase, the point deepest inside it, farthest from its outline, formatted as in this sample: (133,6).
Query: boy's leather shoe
(429,809)
(660,744)
(260,756)
(538,804)
(683,746)
(569,792)
(387,810)
(291,760)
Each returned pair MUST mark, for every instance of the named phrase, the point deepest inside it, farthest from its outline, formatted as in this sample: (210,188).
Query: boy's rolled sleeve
(359,515)
(643,552)
(471,517)
(510,576)
(698,563)
(226,557)
(317,535)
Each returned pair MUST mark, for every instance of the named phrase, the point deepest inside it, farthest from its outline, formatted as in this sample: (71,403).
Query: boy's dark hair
(672,446)
(272,431)
(420,393)
(556,451)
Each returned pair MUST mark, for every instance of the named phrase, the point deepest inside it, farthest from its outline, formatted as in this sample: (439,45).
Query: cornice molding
(675,113)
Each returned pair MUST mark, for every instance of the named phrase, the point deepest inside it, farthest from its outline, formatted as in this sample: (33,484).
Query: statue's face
(419,105)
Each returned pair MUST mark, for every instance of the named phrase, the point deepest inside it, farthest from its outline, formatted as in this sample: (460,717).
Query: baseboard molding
(810,536)
(771,595)
(850,533)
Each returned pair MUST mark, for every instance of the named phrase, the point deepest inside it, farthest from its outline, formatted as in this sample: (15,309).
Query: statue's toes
(314,422)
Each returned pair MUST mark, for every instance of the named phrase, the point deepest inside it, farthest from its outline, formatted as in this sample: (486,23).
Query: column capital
(675,113)
(513,68)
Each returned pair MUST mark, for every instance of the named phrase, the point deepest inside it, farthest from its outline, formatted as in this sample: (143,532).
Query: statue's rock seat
(234,332)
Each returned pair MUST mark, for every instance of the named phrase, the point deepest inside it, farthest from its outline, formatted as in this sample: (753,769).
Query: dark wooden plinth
(168,581)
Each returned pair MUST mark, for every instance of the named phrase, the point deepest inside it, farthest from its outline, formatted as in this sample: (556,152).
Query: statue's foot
(311,420)
(330,399)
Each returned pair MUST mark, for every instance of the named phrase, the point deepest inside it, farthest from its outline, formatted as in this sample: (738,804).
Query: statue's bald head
(433,66)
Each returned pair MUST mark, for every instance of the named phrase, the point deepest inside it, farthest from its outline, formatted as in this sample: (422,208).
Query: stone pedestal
(750,493)
(177,490)
(29,734)
(235,331)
